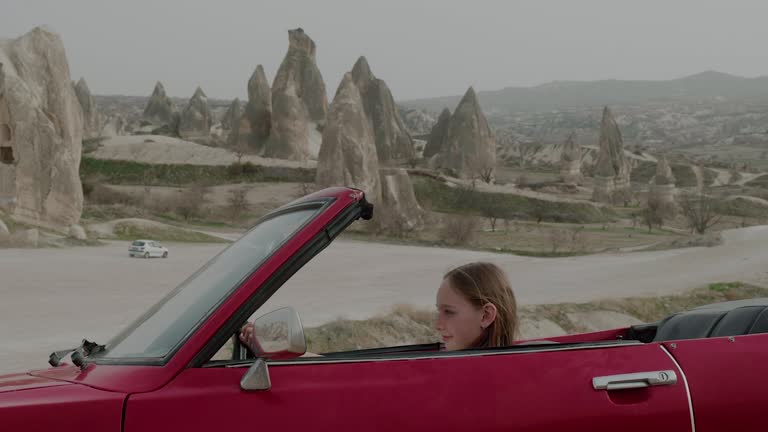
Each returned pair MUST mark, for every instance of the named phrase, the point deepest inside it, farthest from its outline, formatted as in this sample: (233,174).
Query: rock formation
(195,121)
(114,126)
(160,109)
(258,112)
(41,131)
(299,102)
(400,208)
(392,140)
(612,170)
(416,121)
(77,232)
(231,117)
(230,123)
(469,147)
(570,161)
(4,231)
(348,152)
(91,124)
(663,186)
(437,135)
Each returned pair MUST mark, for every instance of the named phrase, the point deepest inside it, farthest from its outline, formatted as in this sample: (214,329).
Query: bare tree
(192,201)
(651,214)
(578,243)
(238,202)
(539,212)
(656,211)
(459,230)
(557,238)
(491,207)
(239,149)
(486,174)
(700,211)
(147,178)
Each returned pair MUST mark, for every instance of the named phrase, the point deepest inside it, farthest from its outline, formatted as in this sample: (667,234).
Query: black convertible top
(731,318)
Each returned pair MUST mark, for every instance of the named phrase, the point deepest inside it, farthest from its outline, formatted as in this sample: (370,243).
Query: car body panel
(117,378)
(61,408)
(545,387)
(542,390)
(24,381)
(728,380)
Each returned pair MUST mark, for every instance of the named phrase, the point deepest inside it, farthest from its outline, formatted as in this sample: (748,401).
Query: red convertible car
(701,370)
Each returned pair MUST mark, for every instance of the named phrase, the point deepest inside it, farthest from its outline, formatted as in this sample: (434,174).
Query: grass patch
(129,231)
(684,174)
(138,173)
(742,207)
(412,241)
(403,325)
(442,198)
(408,325)
(539,254)
(90,145)
(725,286)
(761,182)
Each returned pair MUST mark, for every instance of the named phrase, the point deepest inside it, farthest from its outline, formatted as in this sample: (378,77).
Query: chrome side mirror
(277,335)
(257,377)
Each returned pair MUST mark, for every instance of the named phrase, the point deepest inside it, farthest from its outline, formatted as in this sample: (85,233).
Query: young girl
(476,308)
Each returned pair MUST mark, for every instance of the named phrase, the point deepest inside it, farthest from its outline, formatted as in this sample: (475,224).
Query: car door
(533,389)
(727,379)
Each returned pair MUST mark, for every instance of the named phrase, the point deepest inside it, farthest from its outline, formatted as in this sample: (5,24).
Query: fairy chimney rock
(160,109)
(392,139)
(348,151)
(299,102)
(41,131)
(469,147)
(195,121)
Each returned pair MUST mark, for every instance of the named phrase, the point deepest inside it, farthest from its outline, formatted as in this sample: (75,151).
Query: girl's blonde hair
(481,283)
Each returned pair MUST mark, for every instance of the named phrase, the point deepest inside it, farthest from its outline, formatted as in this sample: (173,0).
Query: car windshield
(167,324)
(138,243)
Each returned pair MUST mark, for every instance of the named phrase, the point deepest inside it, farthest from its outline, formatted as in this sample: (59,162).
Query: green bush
(725,286)
(440,197)
(761,181)
(139,173)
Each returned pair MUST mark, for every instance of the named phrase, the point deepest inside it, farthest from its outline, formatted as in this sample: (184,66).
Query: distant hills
(709,86)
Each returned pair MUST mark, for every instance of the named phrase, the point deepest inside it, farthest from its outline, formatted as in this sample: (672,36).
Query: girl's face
(459,322)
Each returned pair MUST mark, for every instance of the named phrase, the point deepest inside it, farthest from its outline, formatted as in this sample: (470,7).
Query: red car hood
(25,381)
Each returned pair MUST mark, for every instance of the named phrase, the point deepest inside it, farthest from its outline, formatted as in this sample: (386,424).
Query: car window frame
(320,205)
(309,251)
(340,358)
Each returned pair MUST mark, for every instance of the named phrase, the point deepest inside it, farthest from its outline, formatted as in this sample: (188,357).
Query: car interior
(716,320)
(732,318)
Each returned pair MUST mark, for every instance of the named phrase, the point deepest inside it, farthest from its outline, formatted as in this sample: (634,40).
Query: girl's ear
(489,315)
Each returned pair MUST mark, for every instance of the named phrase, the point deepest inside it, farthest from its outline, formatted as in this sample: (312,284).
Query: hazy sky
(421,48)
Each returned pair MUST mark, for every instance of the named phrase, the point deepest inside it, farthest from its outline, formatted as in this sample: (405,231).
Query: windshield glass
(138,243)
(169,322)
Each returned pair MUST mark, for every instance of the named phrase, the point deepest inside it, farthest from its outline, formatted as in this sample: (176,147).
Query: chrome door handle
(634,380)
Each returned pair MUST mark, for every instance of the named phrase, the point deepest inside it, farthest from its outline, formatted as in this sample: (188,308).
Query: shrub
(459,230)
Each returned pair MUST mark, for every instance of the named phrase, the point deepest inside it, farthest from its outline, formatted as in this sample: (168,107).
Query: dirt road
(51,298)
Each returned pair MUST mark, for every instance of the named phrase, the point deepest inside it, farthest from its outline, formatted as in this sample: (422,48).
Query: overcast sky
(421,48)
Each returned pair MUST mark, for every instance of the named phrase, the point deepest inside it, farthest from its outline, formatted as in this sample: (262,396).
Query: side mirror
(277,335)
